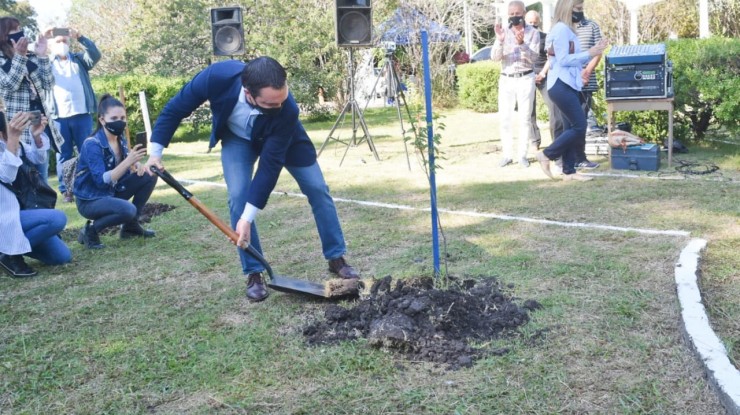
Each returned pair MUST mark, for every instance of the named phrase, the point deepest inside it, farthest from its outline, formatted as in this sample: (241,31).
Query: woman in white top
(31,232)
(564,83)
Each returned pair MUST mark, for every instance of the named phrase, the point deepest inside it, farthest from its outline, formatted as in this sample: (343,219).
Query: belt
(517,75)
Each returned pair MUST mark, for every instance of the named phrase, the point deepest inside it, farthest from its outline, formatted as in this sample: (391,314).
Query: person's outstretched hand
(20,122)
(137,153)
(21,46)
(599,48)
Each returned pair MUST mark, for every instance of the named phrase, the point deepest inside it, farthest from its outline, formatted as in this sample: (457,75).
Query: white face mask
(60,49)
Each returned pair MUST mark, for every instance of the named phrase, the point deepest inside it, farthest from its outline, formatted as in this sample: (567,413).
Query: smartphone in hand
(35,117)
(141,138)
(60,31)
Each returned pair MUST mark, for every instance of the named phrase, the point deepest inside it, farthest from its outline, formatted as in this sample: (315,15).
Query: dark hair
(261,73)
(107,102)
(7,24)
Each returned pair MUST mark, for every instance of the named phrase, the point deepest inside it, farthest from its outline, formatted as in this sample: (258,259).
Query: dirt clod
(420,322)
(339,287)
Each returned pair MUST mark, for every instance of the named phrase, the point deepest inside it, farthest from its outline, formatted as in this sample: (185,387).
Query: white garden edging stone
(721,373)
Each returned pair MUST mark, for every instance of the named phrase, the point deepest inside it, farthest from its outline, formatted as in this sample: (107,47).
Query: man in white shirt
(74,99)
(517,47)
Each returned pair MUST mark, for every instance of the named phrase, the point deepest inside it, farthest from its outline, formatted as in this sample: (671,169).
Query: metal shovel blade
(296,286)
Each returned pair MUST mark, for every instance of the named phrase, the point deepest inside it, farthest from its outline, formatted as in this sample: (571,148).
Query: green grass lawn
(162,326)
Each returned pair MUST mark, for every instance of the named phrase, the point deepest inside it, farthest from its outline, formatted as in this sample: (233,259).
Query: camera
(389,46)
(35,117)
(60,31)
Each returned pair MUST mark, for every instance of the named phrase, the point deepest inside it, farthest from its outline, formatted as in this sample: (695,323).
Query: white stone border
(722,375)
(698,332)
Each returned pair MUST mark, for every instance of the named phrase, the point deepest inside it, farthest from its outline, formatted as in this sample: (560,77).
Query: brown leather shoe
(340,267)
(256,290)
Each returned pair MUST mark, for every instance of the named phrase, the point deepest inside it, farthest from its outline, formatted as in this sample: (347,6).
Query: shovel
(331,289)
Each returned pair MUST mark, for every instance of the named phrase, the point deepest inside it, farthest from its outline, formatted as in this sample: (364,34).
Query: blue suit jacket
(280,140)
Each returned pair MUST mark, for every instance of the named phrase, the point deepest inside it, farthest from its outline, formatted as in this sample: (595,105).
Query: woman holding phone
(108,174)
(33,232)
(23,73)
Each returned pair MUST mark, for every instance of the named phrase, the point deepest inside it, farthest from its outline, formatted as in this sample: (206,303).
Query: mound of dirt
(420,322)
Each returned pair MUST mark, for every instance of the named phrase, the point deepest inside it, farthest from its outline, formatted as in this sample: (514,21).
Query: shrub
(707,83)
(478,85)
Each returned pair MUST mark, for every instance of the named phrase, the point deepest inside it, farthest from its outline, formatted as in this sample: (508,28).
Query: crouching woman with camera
(32,232)
(108,174)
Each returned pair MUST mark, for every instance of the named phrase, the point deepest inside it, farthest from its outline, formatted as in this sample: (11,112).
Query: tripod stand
(394,89)
(352,107)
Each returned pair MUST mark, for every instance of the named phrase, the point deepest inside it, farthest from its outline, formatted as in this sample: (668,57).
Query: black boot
(89,237)
(16,266)
(133,228)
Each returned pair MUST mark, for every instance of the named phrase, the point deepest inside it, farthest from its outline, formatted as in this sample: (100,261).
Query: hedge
(478,85)
(158,90)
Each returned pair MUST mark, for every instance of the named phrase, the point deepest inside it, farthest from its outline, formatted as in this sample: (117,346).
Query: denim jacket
(95,160)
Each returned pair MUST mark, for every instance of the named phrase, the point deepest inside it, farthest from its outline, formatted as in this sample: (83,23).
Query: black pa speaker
(227,31)
(354,23)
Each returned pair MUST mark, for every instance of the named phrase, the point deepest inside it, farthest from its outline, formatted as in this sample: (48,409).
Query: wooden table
(642,104)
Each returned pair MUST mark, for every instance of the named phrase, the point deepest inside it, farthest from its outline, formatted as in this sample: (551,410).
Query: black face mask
(578,17)
(115,127)
(515,20)
(16,36)
(269,111)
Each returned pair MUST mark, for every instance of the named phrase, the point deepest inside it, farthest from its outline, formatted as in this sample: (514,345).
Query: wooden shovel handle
(212,217)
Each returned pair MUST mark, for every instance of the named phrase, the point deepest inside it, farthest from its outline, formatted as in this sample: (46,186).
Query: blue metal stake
(430,145)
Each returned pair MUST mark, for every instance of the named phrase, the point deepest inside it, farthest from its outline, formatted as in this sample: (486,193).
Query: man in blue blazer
(255,116)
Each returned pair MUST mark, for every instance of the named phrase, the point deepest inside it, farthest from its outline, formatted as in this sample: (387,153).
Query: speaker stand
(393,83)
(357,119)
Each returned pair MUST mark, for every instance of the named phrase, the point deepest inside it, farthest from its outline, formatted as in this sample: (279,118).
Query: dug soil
(422,323)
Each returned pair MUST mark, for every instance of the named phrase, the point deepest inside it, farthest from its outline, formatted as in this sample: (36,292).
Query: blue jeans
(238,158)
(42,227)
(116,210)
(555,120)
(75,130)
(586,103)
(567,144)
